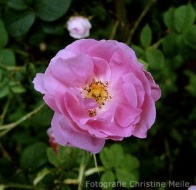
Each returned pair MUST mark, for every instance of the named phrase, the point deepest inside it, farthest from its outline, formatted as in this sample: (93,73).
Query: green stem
(81,176)
(157,44)
(114,29)
(135,26)
(11,68)
(94,170)
(10,126)
(168,154)
(20,186)
(5,109)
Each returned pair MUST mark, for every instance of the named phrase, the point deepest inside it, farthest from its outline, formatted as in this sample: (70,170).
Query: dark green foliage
(163,35)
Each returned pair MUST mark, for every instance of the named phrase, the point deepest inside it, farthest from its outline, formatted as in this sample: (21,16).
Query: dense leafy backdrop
(163,34)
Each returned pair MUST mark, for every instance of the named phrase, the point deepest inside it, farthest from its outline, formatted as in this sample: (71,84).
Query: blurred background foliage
(163,34)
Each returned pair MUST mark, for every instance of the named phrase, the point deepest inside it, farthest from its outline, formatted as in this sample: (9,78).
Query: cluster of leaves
(123,168)
(163,35)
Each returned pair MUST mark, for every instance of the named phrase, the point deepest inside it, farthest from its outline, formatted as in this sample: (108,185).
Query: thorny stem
(10,126)
(135,26)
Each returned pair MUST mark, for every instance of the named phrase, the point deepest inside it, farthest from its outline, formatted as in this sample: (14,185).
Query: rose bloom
(98,91)
(78,27)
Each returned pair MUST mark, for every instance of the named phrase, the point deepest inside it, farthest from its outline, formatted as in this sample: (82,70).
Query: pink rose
(98,91)
(78,27)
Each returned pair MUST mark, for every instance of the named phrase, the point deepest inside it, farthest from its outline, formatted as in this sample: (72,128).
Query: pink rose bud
(192,187)
(98,91)
(52,141)
(78,27)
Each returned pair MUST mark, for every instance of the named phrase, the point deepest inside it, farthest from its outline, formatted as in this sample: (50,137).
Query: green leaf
(155,58)
(108,180)
(50,10)
(17,88)
(54,158)
(184,17)
(3,35)
(169,44)
(4,89)
(130,163)
(144,63)
(168,18)
(33,156)
(146,36)
(53,29)
(138,50)
(7,57)
(126,176)
(190,37)
(107,158)
(19,22)
(192,83)
(17,4)
(116,151)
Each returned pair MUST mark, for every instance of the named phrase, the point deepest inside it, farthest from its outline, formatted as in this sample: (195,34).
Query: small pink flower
(192,187)
(98,91)
(78,27)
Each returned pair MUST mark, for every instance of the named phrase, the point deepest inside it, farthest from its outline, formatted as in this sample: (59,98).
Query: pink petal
(39,83)
(64,54)
(52,84)
(125,114)
(76,109)
(108,130)
(103,49)
(156,91)
(81,46)
(138,87)
(130,94)
(75,71)
(119,66)
(147,118)
(64,134)
(101,69)
(50,101)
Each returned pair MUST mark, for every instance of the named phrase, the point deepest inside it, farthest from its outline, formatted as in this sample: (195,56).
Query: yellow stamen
(98,91)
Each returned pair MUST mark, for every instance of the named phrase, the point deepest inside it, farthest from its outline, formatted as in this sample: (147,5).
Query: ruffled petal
(103,49)
(101,69)
(147,118)
(62,129)
(52,84)
(155,89)
(39,83)
(130,94)
(76,109)
(75,71)
(125,114)
(81,46)
(130,77)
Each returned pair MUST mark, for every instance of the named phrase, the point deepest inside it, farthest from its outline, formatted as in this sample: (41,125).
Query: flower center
(98,91)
